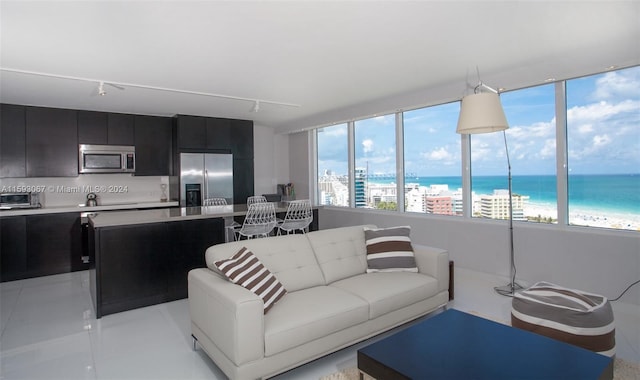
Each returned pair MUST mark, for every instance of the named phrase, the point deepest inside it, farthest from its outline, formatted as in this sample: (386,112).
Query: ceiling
(330,61)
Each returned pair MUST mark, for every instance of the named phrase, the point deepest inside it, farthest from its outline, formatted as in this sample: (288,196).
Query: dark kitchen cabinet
(104,128)
(203,134)
(190,240)
(242,180)
(136,260)
(13,248)
(242,139)
(51,142)
(53,243)
(219,134)
(120,129)
(12,141)
(153,142)
(141,265)
(191,132)
(92,127)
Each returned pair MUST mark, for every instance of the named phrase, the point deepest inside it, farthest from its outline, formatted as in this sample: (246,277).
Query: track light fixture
(122,86)
(101,90)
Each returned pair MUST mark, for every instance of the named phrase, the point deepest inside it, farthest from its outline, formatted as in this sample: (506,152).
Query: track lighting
(101,90)
(122,86)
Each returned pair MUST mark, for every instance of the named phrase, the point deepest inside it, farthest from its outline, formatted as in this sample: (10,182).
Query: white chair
(256,199)
(299,216)
(259,221)
(230,225)
(215,202)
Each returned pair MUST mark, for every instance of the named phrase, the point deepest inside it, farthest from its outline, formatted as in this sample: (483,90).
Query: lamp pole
(511,288)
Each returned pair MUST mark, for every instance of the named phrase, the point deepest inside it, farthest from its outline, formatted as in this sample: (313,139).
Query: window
(333,165)
(432,160)
(375,163)
(603,142)
(531,140)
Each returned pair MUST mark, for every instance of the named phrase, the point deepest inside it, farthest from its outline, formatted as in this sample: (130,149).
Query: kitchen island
(141,258)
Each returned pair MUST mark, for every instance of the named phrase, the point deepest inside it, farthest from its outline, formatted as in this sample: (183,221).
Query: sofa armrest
(434,262)
(231,316)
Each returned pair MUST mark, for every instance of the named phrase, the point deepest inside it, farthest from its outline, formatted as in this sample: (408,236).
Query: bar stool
(259,221)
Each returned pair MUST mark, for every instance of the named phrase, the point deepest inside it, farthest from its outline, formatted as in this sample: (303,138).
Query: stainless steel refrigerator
(204,176)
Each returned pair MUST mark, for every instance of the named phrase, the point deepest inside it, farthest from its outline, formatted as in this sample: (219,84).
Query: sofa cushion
(290,258)
(389,291)
(341,252)
(389,250)
(309,314)
(246,270)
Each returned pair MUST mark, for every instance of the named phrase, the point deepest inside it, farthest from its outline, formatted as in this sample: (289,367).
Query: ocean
(616,193)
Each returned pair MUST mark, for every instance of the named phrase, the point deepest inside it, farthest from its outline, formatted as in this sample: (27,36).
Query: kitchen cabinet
(145,264)
(40,245)
(153,142)
(51,142)
(120,129)
(12,141)
(136,260)
(92,127)
(105,128)
(203,134)
(242,138)
(191,132)
(13,248)
(219,134)
(53,243)
(242,180)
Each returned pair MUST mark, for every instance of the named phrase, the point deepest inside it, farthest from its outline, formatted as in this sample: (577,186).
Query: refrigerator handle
(206,185)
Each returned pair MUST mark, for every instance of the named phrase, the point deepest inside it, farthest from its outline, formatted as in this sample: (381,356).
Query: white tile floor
(48,331)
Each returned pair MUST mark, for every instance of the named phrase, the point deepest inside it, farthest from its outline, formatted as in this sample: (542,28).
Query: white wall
(271,159)
(599,261)
(299,167)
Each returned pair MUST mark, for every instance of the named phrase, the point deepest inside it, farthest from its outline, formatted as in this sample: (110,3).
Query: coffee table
(457,345)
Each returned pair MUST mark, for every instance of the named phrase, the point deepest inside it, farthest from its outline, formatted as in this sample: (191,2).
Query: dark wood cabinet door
(242,180)
(132,262)
(53,243)
(92,127)
(192,132)
(120,129)
(13,248)
(12,141)
(242,138)
(51,142)
(189,241)
(219,135)
(153,145)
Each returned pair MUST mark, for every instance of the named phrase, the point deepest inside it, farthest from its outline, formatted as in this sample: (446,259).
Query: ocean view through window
(603,146)
(603,157)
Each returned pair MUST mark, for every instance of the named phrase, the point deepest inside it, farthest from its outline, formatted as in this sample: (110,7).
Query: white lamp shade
(481,113)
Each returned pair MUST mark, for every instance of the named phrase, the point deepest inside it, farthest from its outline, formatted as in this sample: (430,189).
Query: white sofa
(331,302)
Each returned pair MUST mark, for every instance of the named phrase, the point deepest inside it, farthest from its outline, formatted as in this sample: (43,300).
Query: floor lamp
(481,112)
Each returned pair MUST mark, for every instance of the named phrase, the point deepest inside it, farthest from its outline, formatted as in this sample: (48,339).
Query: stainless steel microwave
(106,159)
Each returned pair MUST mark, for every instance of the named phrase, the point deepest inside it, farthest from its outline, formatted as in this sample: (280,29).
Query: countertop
(124,218)
(82,208)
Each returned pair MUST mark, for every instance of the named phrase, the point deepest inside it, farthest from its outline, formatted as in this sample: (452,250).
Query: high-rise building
(360,179)
(496,205)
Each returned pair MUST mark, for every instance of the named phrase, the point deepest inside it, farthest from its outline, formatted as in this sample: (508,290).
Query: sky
(603,134)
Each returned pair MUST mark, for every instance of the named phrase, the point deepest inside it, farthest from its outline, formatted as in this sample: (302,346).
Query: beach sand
(610,220)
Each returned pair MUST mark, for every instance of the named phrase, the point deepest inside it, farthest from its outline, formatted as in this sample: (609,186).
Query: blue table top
(457,345)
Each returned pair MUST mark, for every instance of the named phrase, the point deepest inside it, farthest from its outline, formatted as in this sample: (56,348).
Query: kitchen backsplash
(110,188)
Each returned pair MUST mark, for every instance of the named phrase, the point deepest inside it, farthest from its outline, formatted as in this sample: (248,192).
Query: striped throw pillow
(246,270)
(389,250)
